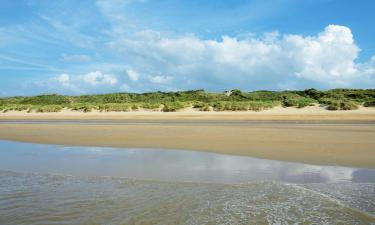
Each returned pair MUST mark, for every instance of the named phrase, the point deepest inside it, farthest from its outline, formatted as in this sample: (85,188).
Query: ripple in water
(237,190)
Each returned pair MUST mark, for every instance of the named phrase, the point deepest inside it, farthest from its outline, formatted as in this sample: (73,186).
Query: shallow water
(49,184)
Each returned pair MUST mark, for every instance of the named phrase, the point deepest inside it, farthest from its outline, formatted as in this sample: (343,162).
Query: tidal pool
(50,184)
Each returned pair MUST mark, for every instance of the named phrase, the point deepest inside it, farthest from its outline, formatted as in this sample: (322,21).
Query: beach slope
(329,138)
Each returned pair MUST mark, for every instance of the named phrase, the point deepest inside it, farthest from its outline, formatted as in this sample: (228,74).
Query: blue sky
(80,47)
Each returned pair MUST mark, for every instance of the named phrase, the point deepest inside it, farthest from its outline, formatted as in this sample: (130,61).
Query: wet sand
(344,142)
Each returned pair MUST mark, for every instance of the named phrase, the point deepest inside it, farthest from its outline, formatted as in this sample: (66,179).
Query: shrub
(348,105)
(264,96)
(206,108)
(20,107)
(220,106)
(299,102)
(115,107)
(49,108)
(152,106)
(15,107)
(369,103)
(243,106)
(342,105)
(46,100)
(202,106)
(82,107)
(259,105)
(173,106)
(339,99)
(312,93)
(303,102)
(239,106)
(198,105)
(134,107)
(326,101)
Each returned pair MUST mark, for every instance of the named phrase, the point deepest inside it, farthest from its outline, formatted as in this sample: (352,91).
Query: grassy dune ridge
(234,100)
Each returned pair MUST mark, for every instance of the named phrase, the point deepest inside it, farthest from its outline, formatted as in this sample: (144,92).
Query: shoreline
(340,143)
(310,135)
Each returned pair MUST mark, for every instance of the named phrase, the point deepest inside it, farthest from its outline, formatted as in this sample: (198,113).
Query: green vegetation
(342,105)
(49,108)
(369,103)
(174,106)
(297,101)
(235,100)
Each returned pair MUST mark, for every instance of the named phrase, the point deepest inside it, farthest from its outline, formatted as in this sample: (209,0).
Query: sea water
(51,184)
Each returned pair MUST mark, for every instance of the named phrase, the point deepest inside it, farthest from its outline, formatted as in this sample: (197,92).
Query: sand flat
(338,142)
(310,135)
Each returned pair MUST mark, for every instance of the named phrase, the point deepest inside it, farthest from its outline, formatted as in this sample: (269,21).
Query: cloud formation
(156,61)
(93,81)
(272,61)
(177,45)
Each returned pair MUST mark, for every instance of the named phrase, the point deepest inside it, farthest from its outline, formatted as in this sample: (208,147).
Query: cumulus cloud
(157,61)
(272,61)
(159,79)
(96,80)
(132,74)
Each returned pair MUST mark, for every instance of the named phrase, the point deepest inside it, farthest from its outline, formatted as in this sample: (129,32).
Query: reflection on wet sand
(168,165)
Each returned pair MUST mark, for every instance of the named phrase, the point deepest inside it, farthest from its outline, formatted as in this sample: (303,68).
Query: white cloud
(63,78)
(98,78)
(329,57)
(133,75)
(156,61)
(76,58)
(78,84)
(325,60)
(159,79)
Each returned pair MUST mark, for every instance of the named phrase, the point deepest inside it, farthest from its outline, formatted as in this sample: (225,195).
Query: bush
(46,100)
(348,105)
(264,96)
(14,107)
(259,106)
(240,106)
(82,107)
(370,103)
(342,105)
(326,101)
(49,108)
(335,99)
(206,108)
(198,105)
(299,102)
(152,106)
(220,106)
(243,106)
(134,107)
(312,93)
(174,106)
(115,107)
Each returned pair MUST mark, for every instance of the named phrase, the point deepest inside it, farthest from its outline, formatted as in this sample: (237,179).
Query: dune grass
(234,100)
(49,108)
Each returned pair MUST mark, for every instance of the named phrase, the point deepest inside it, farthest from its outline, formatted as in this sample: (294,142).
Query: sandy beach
(310,135)
(276,113)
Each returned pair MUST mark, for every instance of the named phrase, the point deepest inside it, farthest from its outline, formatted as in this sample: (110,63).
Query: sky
(87,46)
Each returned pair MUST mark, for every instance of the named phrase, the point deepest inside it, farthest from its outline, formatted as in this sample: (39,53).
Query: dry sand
(310,135)
(276,113)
